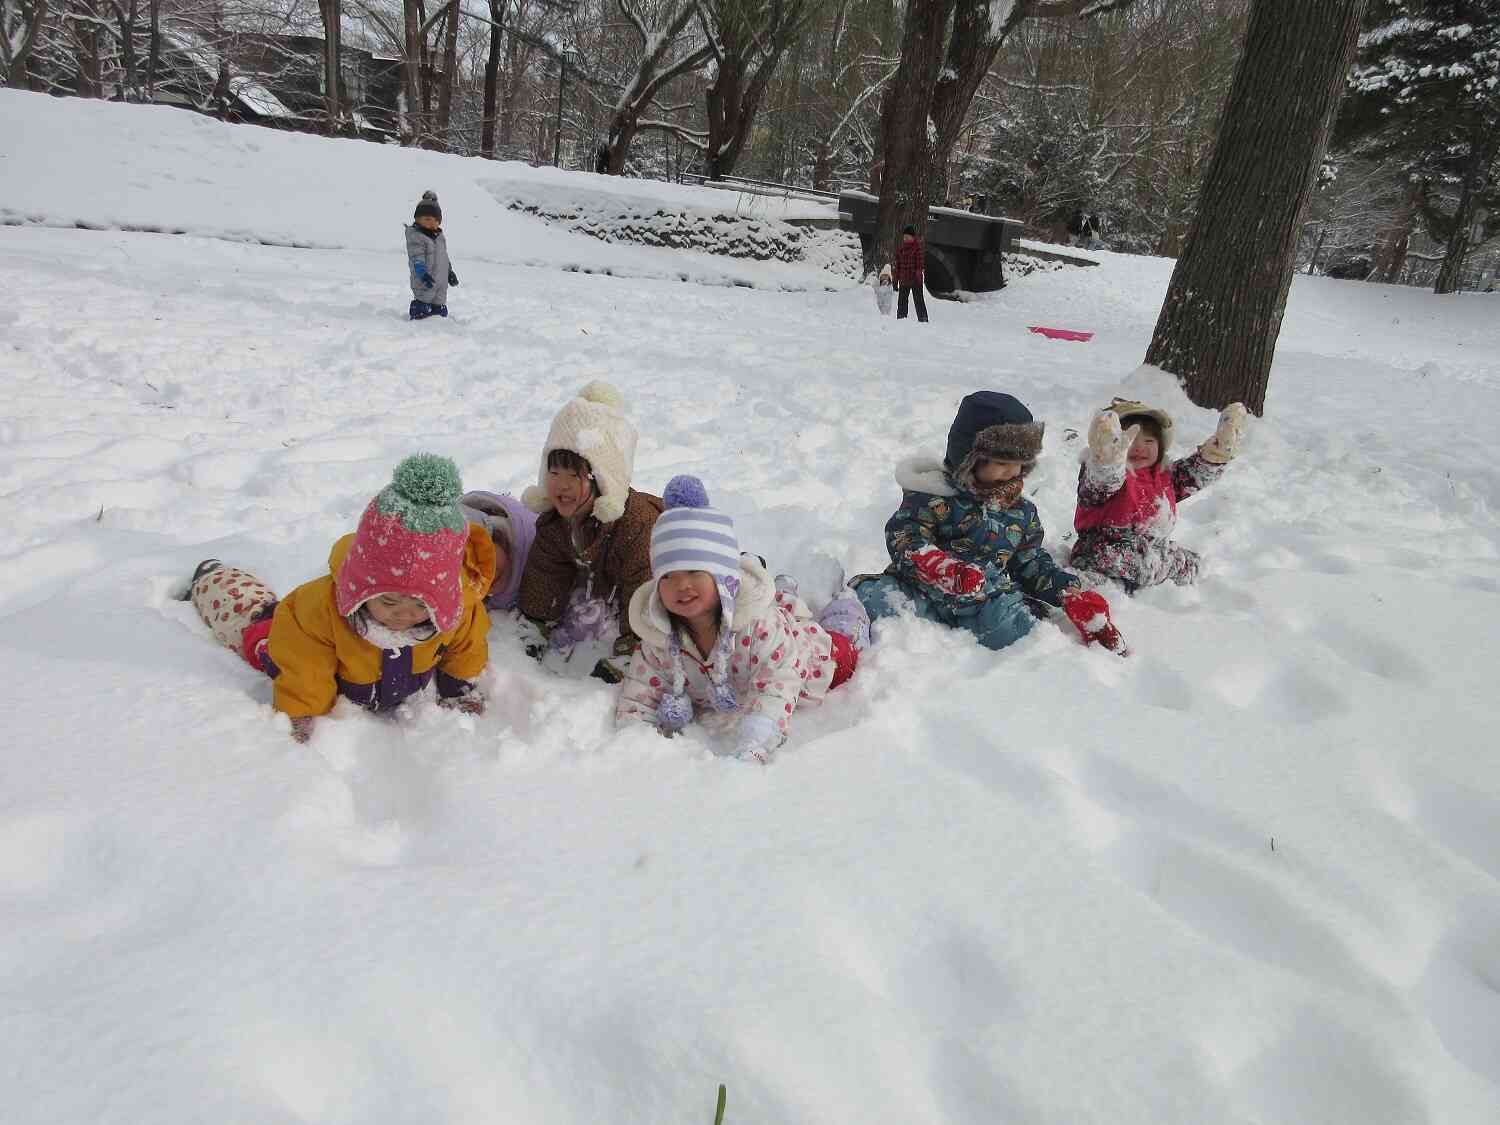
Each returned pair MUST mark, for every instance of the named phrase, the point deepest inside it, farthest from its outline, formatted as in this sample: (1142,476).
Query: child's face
(571,493)
(908,238)
(1143,451)
(397,611)
(690,594)
(996,472)
(427,222)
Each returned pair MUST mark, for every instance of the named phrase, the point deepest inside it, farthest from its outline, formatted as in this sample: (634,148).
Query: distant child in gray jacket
(427,254)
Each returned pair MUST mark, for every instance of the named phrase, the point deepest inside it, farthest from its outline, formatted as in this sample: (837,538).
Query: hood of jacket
(653,624)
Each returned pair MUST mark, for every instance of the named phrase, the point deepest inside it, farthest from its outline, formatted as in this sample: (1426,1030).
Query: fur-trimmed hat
(594,426)
(1126,409)
(995,426)
(410,541)
(428,205)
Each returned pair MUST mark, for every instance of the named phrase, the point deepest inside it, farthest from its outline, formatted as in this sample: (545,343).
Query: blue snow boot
(421,310)
(439,310)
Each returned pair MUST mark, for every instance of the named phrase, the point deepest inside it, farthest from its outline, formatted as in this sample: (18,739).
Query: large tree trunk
(1481,153)
(491,82)
(412,49)
(445,87)
(1222,313)
(332,14)
(971,52)
(19,27)
(1395,241)
(905,144)
(153,52)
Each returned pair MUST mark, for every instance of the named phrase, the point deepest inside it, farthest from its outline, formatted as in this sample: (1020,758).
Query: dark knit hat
(993,425)
(909,228)
(428,206)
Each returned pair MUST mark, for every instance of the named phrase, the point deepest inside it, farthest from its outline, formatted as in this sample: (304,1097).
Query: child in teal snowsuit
(966,546)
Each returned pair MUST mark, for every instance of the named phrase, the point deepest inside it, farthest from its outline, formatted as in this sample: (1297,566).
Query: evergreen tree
(1425,93)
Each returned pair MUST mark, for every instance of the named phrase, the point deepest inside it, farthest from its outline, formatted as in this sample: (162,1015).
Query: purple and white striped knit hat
(689,535)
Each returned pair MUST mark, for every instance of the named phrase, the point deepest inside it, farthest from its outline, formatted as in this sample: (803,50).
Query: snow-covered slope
(106,166)
(1038,886)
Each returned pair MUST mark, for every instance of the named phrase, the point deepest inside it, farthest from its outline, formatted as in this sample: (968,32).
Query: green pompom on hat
(424,494)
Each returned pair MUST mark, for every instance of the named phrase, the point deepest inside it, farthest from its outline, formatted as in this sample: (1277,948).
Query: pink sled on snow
(1060,333)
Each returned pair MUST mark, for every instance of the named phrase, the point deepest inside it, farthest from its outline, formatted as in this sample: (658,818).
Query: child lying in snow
(402,600)
(966,546)
(592,548)
(512,528)
(718,637)
(1128,493)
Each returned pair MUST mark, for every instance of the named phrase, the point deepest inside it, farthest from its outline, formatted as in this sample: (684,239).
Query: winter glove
(452,278)
(1221,448)
(469,703)
(420,269)
(608,671)
(302,728)
(946,573)
(1089,613)
(1108,447)
(757,737)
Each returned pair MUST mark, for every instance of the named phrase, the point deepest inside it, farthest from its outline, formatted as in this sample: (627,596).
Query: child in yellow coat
(402,604)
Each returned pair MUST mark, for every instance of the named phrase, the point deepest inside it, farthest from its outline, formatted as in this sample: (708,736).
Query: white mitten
(757,737)
(1221,448)
(1108,447)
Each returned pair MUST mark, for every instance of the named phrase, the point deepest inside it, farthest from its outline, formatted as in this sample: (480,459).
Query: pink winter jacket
(782,657)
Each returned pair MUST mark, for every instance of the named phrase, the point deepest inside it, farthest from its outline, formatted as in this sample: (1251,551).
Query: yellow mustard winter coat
(316,655)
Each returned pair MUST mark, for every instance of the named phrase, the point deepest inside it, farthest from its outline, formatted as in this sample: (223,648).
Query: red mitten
(1089,613)
(940,569)
(302,728)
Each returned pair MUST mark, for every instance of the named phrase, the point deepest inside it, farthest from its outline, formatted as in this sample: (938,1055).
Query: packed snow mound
(1248,875)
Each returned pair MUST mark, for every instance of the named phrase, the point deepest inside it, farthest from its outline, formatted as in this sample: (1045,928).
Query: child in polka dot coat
(720,640)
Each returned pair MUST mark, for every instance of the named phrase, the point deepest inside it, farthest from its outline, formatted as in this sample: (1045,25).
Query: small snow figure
(966,546)
(1128,492)
(402,604)
(427,258)
(883,291)
(720,638)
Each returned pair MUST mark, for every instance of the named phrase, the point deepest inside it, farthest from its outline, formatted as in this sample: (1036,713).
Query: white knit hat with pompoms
(594,426)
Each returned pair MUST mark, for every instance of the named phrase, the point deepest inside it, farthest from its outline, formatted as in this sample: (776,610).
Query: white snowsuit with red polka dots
(781,656)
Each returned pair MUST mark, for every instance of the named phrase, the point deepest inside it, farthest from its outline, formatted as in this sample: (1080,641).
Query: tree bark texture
(491,81)
(1481,154)
(1222,313)
(905,142)
(450,69)
(332,14)
(411,68)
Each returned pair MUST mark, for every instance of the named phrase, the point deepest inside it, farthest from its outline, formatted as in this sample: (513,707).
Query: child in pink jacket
(1128,492)
(718,638)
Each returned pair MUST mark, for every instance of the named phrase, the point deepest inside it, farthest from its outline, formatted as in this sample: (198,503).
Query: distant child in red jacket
(1128,492)
(909,273)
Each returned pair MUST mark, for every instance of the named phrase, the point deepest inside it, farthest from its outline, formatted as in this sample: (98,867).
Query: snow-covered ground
(1036,886)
